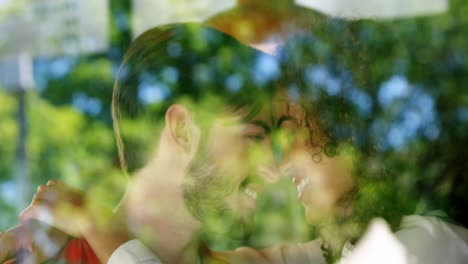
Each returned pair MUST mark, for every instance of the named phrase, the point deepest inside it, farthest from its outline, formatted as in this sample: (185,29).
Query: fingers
(45,194)
(65,193)
(14,239)
(7,245)
(46,198)
(55,191)
(57,205)
(31,242)
(38,211)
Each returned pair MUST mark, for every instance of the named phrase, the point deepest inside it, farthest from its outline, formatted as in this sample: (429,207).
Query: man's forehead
(270,111)
(279,110)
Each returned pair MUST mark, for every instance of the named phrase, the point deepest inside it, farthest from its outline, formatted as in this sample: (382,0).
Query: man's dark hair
(180,61)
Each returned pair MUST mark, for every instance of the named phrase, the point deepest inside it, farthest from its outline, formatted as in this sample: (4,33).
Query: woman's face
(296,149)
(322,184)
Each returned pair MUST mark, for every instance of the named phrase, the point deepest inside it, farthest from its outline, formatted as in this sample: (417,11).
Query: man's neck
(182,253)
(158,215)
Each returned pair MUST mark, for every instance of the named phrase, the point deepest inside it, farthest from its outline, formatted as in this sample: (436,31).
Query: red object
(78,251)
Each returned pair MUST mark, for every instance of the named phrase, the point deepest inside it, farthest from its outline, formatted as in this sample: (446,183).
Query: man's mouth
(248,200)
(251,193)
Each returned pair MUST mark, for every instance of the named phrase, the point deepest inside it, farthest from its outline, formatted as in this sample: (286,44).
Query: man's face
(219,181)
(223,180)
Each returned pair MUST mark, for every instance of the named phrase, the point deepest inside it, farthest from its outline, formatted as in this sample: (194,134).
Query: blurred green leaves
(67,142)
(62,144)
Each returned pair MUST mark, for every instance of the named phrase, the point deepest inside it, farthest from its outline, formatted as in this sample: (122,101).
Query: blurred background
(58,59)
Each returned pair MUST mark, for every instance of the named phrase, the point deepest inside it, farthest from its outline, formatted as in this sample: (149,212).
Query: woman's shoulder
(420,239)
(432,227)
(432,240)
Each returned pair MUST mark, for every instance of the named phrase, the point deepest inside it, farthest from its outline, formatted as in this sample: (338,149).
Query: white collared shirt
(133,252)
(420,240)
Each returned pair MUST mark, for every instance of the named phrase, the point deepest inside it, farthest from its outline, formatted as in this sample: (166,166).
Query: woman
(342,191)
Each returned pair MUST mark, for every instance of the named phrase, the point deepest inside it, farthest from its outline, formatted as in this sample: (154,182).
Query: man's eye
(289,125)
(255,137)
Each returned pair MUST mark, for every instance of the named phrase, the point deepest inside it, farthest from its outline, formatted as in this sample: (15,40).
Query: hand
(8,244)
(31,239)
(65,208)
(60,206)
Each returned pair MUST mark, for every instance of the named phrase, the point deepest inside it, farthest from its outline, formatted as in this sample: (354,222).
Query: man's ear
(182,129)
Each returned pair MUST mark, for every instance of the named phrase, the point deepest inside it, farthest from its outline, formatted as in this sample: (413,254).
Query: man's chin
(232,229)
(241,230)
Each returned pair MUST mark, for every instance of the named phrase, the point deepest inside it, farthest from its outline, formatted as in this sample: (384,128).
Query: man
(196,177)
